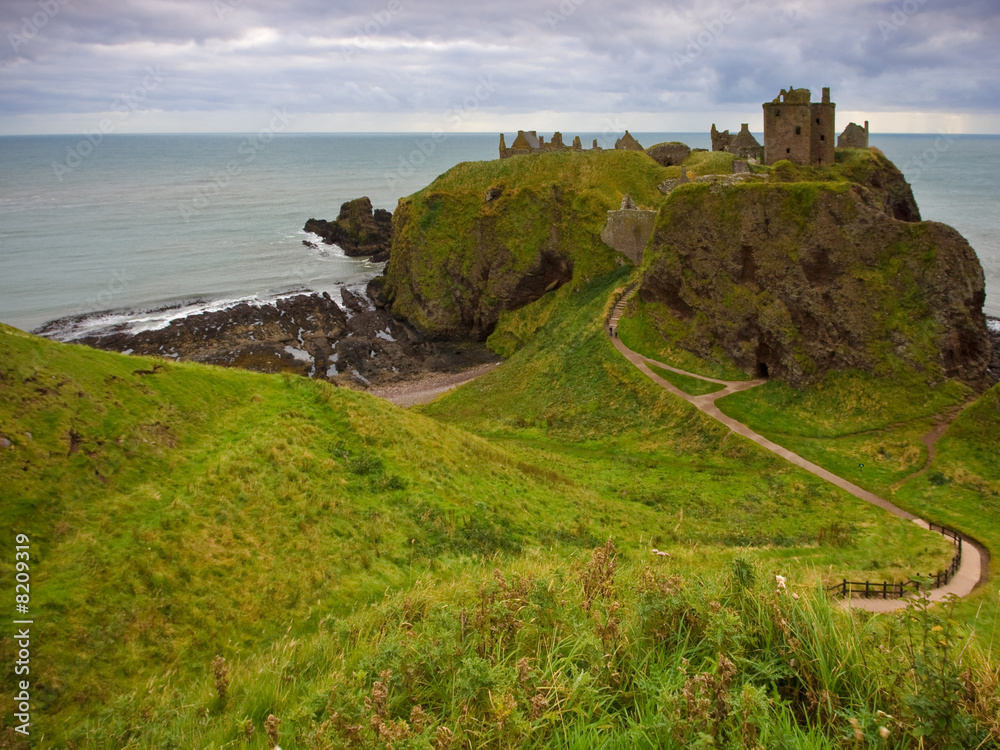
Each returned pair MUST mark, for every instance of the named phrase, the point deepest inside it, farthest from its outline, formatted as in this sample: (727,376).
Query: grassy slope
(595,418)
(277,506)
(852,419)
(190,511)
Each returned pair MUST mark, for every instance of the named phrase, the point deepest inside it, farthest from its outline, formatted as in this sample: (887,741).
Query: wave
(133,321)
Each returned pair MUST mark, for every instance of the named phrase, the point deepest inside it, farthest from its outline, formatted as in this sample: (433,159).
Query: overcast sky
(73,66)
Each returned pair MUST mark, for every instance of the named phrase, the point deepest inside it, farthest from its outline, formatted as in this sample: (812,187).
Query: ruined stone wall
(628,230)
(529,142)
(854,136)
(787,132)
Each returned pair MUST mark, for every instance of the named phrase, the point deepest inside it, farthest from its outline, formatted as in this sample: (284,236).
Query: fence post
(866,589)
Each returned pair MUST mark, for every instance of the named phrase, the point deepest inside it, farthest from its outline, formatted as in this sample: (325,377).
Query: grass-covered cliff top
(486,237)
(490,236)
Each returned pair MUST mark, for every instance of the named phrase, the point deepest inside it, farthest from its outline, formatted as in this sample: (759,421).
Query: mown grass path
(966,578)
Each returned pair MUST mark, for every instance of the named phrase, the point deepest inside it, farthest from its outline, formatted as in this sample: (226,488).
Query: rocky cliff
(492,236)
(792,279)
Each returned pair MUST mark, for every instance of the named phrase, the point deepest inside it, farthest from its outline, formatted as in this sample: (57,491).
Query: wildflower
(883,733)
(663,554)
(858,734)
(794,595)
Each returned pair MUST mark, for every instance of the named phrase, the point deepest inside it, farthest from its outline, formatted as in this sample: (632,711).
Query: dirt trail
(425,390)
(972,566)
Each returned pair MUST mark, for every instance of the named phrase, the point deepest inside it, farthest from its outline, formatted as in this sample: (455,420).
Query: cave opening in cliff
(762,370)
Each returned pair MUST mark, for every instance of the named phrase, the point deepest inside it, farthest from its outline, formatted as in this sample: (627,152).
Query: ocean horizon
(140,229)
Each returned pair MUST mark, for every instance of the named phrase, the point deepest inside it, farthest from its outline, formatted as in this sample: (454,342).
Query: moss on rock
(486,237)
(795,279)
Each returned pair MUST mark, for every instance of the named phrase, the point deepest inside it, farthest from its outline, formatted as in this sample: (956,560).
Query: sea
(137,230)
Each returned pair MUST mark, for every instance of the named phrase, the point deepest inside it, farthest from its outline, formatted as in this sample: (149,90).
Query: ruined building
(628,143)
(529,142)
(798,129)
(854,136)
(743,144)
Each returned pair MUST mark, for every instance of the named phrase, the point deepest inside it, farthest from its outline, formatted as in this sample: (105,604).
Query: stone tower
(798,129)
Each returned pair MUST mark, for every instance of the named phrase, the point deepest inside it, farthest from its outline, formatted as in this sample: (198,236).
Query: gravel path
(425,390)
(972,566)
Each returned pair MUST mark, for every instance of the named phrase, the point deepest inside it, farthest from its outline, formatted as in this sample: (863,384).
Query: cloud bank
(425,65)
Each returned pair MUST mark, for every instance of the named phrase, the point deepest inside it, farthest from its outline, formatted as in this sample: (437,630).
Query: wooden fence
(893,590)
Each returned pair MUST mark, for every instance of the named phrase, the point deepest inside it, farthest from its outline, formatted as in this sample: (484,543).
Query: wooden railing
(893,590)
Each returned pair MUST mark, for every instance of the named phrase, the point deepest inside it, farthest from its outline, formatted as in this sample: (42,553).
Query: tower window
(817,121)
(822,137)
(798,130)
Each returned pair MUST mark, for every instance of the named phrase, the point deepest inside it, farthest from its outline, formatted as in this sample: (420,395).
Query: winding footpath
(972,565)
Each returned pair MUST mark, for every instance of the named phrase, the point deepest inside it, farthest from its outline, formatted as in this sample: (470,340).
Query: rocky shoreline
(353,344)
(356,343)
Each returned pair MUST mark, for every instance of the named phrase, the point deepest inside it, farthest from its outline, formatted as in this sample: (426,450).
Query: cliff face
(794,279)
(464,292)
(493,236)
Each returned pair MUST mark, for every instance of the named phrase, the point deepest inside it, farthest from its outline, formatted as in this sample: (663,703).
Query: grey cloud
(399,56)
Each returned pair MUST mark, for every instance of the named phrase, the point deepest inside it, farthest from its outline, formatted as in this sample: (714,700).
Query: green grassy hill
(179,511)
(325,543)
(558,554)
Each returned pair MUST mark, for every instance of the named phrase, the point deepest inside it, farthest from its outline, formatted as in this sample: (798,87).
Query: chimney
(826,95)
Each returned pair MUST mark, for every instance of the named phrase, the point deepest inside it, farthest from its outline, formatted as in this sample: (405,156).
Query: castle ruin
(854,136)
(743,144)
(798,129)
(529,142)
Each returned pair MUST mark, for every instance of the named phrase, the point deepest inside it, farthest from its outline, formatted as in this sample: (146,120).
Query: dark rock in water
(307,334)
(376,291)
(351,301)
(359,230)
